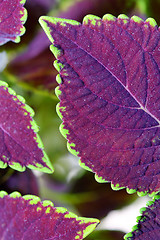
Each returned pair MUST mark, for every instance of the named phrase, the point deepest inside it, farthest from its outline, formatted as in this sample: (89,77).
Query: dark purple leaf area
(20,145)
(109,96)
(148,227)
(28,218)
(12,17)
(34,66)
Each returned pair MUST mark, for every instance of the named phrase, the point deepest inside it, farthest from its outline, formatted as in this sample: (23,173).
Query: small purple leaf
(148,226)
(20,145)
(12,17)
(109,96)
(29,218)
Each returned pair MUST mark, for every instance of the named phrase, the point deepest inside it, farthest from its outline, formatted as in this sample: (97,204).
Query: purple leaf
(109,96)
(33,66)
(12,17)
(20,145)
(148,226)
(28,218)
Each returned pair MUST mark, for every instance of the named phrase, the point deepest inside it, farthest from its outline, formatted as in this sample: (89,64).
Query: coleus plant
(27,217)
(109,103)
(109,97)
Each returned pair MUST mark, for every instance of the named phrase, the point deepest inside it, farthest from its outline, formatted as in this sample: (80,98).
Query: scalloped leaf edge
(23,19)
(35,128)
(107,17)
(33,200)
(129,235)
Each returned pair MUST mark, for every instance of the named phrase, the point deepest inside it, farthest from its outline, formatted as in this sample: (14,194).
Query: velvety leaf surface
(20,145)
(148,226)
(28,218)
(109,96)
(12,17)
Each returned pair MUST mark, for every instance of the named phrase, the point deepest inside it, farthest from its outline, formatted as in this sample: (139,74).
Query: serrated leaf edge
(33,200)
(129,235)
(59,66)
(28,110)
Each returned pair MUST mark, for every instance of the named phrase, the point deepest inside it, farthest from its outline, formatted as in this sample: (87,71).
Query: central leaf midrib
(90,54)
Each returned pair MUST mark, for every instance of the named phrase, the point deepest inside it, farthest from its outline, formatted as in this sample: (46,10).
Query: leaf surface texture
(20,145)
(12,17)
(28,217)
(109,87)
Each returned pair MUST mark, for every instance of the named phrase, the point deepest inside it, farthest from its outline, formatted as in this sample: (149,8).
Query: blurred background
(28,69)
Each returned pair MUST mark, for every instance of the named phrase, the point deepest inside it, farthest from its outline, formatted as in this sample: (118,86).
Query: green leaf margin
(59,66)
(33,200)
(28,111)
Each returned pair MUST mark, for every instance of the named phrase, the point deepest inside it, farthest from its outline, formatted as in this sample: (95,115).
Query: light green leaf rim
(92,19)
(129,235)
(34,200)
(61,21)
(27,111)
(82,220)
(23,20)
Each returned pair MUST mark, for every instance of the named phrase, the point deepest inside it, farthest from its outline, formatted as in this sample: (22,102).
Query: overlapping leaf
(20,145)
(28,218)
(33,66)
(12,17)
(148,226)
(109,96)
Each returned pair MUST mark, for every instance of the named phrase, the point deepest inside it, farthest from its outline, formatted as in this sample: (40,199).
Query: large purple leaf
(109,96)
(20,145)
(28,218)
(33,66)
(12,17)
(148,226)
